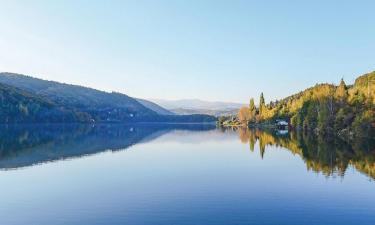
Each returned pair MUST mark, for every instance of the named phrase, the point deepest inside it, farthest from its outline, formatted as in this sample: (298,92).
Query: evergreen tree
(262,106)
(252,110)
(261,100)
(341,91)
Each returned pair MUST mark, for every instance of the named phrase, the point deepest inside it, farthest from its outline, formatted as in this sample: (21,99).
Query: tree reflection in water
(331,157)
(27,145)
(22,146)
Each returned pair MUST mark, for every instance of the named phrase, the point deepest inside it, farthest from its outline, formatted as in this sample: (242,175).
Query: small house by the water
(282,125)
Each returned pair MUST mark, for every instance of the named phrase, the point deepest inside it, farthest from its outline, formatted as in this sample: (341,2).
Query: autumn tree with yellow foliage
(323,109)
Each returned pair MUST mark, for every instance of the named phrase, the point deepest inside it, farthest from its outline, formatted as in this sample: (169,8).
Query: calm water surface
(178,174)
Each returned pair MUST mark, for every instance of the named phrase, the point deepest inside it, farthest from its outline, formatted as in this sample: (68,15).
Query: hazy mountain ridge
(224,112)
(197,106)
(155,107)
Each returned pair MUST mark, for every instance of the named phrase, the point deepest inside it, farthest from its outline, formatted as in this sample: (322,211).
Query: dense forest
(26,99)
(18,106)
(327,109)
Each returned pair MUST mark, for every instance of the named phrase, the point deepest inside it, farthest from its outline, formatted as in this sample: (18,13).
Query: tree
(244,115)
(262,106)
(311,114)
(261,100)
(221,120)
(341,91)
(252,110)
(324,109)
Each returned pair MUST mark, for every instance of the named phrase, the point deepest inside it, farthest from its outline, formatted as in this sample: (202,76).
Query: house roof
(282,122)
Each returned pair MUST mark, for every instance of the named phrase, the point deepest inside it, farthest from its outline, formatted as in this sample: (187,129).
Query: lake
(181,174)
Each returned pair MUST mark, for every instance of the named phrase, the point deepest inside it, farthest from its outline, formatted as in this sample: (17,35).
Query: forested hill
(78,97)
(324,108)
(19,106)
(28,99)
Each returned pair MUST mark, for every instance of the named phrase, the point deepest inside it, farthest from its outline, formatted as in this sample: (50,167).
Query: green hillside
(28,99)
(18,106)
(323,109)
(102,106)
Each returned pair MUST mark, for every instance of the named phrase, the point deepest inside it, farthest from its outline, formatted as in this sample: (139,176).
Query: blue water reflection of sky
(184,177)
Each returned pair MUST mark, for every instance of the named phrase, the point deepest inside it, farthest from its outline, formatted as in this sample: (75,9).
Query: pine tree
(262,106)
(252,110)
(341,91)
(261,100)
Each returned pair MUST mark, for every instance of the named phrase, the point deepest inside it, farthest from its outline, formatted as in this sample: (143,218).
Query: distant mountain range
(155,107)
(196,106)
(27,99)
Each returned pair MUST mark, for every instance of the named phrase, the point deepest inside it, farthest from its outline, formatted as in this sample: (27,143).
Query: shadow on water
(330,157)
(26,145)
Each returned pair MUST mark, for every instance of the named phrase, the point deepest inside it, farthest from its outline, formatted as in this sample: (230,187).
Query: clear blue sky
(211,50)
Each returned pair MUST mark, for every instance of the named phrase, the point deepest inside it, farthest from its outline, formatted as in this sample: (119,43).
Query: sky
(209,50)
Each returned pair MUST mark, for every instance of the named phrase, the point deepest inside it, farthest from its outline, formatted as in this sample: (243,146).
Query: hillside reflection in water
(331,157)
